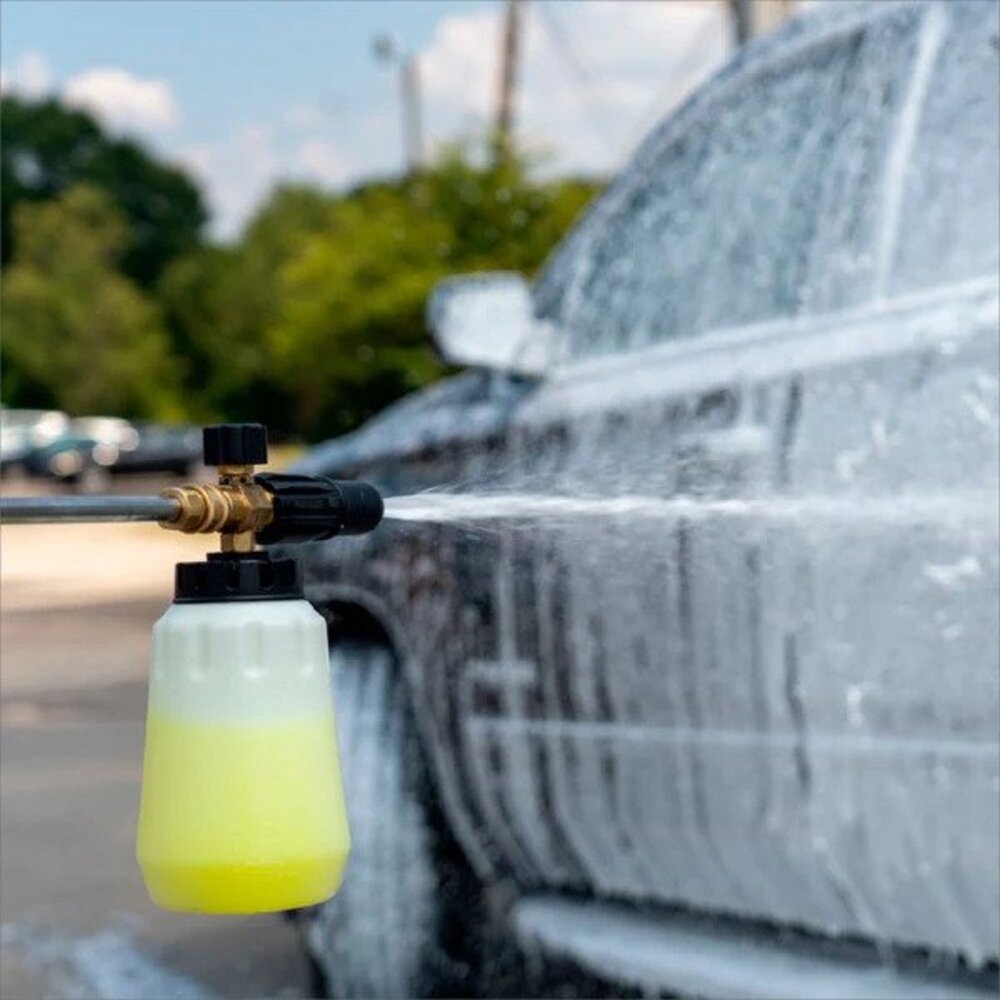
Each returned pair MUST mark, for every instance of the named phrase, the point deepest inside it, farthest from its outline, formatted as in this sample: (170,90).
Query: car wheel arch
(352,613)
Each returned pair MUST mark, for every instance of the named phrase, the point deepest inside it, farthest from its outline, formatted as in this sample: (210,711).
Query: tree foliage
(312,321)
(78,334)
(46,148)
(344,280)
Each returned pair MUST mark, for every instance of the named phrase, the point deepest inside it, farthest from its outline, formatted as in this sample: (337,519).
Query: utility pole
(387,50)
(741,15)
(771,14)
(508,78)
(751,18)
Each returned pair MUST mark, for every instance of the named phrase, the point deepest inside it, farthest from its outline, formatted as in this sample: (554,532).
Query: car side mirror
(487,321)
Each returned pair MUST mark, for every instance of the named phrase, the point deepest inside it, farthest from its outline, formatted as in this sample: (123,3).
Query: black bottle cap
(235,444)
(237,576)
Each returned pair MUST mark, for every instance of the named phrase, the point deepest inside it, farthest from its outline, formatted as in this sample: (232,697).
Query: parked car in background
(744,743)
(84,452)
(89,450)
(24,431)
(161,448)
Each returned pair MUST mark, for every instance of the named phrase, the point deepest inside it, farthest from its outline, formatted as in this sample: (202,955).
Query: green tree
(499,216)
(46,148)
(348,333)
(220,301)
(312,321)
(345,324)
(76,333)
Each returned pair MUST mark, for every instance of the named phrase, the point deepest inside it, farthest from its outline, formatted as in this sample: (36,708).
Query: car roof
(811,24)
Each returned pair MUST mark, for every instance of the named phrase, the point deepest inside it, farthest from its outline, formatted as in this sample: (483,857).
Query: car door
(641,726)
(898,678)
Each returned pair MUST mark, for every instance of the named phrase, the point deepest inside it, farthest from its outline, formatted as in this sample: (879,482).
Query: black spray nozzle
(312,508)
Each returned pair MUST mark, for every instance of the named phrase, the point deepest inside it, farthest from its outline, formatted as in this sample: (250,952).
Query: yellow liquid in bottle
(241,817)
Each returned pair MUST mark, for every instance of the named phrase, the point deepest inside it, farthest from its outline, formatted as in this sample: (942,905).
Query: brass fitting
(277,507)
(236,507)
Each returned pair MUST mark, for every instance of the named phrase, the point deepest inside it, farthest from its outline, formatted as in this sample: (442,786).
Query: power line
(588,84)
(668,97)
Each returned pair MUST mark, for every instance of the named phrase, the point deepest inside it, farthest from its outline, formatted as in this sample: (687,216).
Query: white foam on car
(658,953)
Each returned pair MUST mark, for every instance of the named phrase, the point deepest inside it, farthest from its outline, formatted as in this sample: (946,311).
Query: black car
(23,432)
(174,449)
(92,449)
(727,725)
(84,453)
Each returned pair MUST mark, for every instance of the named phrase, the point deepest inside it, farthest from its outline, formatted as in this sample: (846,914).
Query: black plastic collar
(237,576)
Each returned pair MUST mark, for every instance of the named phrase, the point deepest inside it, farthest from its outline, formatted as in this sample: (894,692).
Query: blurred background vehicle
(24,431)
(667,744)
(83,452)
(175,450)
(89,450)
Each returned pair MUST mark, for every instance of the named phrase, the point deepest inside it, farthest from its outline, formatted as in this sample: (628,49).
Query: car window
(460,390)
(759,206)
(949,213)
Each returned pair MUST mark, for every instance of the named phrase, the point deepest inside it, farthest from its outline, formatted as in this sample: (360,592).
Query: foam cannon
(242,807)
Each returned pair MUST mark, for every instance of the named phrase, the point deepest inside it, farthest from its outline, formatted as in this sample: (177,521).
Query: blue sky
(245,93)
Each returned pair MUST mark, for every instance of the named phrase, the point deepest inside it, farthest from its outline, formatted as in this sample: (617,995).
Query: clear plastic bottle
(242,804)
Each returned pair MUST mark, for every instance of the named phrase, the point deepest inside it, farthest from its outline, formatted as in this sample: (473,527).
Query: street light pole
(413,132)
(387,50)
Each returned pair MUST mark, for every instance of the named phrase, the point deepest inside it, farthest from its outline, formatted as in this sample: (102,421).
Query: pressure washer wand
(58,510)
(243,506)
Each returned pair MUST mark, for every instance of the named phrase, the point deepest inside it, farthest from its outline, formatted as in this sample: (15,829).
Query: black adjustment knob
(235,444)
(311,508)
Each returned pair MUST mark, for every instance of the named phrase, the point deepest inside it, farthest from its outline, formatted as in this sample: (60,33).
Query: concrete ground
(78,603)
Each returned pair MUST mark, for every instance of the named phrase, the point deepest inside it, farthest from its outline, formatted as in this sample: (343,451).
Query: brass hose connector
(236,507)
